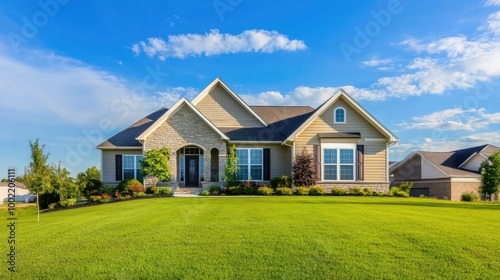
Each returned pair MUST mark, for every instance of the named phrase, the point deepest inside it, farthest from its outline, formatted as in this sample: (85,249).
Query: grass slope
(260,238)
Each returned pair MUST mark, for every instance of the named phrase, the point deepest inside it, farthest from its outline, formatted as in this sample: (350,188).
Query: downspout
(292,155)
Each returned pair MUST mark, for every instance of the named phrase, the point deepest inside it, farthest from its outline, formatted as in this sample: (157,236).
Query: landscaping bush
(204,193)
(214,190)
(356,191)
(317,190)
(94,198)
(53,205)
(234,190)
(249,188)
(139,194)
(302,190)
(281,182)
(470,196)
(378,194)
(406,186)
(109,190)
(367,192)
(134,189)
(284,191)
(48,198)
(93,187)
(123,186)
(161,190)
(338,191)
(71,201)
(396,191)
(104,198)
(264,190)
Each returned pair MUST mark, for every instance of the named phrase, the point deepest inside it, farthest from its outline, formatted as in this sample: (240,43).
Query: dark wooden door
(192,170)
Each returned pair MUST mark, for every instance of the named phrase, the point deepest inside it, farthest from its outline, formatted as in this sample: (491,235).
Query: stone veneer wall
(185,128)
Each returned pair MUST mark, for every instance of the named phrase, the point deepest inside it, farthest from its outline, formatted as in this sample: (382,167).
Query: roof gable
(171,112)
(225,108)
(353,104)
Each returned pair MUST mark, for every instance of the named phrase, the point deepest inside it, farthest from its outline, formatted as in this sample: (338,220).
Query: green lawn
(260,238)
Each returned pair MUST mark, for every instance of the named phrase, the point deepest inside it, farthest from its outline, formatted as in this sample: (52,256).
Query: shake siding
(375,167)
(224,111)
(280,158)
(108,163)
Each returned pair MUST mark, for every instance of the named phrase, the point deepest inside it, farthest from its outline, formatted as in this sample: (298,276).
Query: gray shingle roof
(449,162)
(126,137)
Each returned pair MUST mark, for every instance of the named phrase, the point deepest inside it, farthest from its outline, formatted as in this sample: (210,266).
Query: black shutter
(360,170)
(317,161)
(119,169)
(267,164)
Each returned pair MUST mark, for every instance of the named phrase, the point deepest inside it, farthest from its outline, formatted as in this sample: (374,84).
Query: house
(442,174)
(21,192)
(350,146)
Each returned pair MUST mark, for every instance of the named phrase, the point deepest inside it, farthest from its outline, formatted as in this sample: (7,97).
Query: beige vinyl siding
(375,166)
(281,162)
(109,165)
(224,111)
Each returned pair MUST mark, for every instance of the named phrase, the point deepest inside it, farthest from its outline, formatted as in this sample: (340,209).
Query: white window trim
(135,165)
(249,164)
(335,115)
(338,146)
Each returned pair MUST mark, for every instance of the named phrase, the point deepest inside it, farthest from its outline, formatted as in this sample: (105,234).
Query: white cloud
(492,24)
(310,96)
(492,3)
(454,120)
(170,96)
(377,62)
(216,43)
(486,138)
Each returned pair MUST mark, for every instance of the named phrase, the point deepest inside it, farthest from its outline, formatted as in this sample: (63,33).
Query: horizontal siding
(224,111)
(109,166)
(375,151)
(281,163)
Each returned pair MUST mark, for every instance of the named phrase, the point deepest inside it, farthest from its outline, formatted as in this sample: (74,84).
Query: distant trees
(490,175)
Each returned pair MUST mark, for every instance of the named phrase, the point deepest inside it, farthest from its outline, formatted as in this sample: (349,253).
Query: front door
(192,171)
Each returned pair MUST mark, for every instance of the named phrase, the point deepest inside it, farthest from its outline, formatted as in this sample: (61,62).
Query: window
(132,167)
(338,162)
(339,115)
(250,164)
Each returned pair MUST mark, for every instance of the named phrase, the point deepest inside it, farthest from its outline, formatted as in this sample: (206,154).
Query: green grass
(260,238)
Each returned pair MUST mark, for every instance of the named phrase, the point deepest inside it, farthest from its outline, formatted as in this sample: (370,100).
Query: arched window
(339,115)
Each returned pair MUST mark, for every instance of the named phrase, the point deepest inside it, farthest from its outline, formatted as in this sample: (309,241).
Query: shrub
(284,191)
(48,198)
(204,193)
(249,187)
(470,196)
(338,191)
(356,191)
(133,189)
(93,187)
(94,198)
(123,186)
(264,190)
(139,194)
(405,186)
(396,191)
(281,182)
(71,201)
(317,190)
(378,193)
(304,171)
(160,190)
(104,198)
(53,205)
(214,190)
(235,190)
(302,190)
(109,190)
(367,192)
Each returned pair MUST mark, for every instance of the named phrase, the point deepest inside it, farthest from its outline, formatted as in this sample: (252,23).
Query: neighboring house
(442,174)
(349,145)
(22,193)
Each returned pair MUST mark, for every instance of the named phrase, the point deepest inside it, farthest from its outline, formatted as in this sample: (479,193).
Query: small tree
(230,177)
(304,173)
(155,163)
(62,183)
(89,180)
(38,175)
(490,175)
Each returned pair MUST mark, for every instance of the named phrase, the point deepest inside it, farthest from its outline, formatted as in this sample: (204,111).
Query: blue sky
(73,73)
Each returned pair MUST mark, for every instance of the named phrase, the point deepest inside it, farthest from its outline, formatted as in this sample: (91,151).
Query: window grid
(339,115)
(338,164)
(132,167)
(250,164)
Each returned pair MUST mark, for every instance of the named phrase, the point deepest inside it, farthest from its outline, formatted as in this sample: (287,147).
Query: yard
(260,238)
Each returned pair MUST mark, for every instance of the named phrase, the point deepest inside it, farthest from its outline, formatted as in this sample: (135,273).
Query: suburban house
(442,174)
(349,145)
(21,192)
